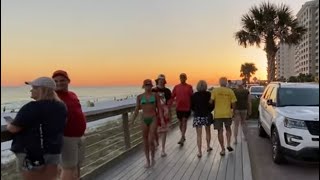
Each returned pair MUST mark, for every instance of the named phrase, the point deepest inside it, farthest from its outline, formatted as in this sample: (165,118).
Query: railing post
(126,133)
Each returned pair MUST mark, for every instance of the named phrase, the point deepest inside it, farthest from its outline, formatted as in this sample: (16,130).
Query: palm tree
(255,79)
(247,70)
(271,25)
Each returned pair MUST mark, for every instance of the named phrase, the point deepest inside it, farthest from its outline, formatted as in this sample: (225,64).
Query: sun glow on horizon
(122,43)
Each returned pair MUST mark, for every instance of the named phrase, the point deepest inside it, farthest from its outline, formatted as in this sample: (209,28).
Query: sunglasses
(148,84)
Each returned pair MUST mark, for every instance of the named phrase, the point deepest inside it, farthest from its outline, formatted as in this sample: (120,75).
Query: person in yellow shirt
(224,99)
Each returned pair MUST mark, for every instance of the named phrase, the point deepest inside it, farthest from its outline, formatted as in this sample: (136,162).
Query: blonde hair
(202,86)
(48,94)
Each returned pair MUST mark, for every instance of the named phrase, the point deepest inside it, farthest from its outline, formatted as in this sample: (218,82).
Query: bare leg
(199,140)
(51,172)
(164,137)
(156,137)
(181,125)
(153,127)
(228,133)
(244,124)
(220,138)
(236,127)
(69,174)
(181,129)
(145,135)
(48,172)
(208,137)
(184,127)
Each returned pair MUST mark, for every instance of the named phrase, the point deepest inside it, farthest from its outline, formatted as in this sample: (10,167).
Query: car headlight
(294,123)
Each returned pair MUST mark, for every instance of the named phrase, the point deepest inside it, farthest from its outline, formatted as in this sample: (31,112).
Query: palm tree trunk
(271,50)
(268,68)
(271,66)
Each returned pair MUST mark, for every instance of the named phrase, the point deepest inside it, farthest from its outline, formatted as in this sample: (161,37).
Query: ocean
(12,98)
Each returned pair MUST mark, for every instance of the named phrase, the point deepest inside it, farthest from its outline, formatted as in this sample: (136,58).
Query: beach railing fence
(103,145)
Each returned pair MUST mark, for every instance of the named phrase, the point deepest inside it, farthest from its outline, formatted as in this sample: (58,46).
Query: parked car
(289,115)
(249,85)
(256,91)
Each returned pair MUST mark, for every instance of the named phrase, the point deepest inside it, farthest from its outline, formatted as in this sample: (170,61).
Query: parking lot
(263,167)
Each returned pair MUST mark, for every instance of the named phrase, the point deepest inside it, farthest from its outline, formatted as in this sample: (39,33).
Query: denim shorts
(52,159)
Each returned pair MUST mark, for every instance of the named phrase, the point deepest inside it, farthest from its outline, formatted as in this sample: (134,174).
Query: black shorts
(183,114)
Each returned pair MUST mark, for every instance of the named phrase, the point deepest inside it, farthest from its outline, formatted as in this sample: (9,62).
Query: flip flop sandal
(209,149)
(230,149)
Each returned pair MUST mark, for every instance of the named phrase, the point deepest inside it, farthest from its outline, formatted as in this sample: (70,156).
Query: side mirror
(269,102)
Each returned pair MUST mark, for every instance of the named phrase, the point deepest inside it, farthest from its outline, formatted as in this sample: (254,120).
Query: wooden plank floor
(183,163)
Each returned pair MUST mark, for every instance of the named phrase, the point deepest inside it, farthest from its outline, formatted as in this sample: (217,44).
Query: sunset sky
(122,42)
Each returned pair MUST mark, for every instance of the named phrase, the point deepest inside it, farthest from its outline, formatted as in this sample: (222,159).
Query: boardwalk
(183,163)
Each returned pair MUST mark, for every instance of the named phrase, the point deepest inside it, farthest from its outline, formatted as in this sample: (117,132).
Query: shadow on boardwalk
(183,163)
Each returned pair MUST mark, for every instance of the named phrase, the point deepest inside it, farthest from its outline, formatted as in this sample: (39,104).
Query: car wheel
(277,154)
(262,132)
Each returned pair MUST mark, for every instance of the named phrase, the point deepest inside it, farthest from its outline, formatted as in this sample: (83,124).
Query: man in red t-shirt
(73,146)
(182,95)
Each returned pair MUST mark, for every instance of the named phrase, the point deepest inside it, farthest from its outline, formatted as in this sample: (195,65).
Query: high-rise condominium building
(306,53)
(285,61)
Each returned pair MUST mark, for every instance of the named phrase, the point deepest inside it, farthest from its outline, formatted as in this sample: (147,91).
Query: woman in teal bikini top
(149,102)
(144,101)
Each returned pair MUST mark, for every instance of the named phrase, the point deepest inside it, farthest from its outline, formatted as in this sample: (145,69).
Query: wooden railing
(103,145)
(93,116)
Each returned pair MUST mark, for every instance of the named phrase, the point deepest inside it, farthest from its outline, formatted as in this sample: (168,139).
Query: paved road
(263,167)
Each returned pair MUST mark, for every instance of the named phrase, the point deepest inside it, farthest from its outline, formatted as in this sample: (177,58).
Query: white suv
(289,114)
